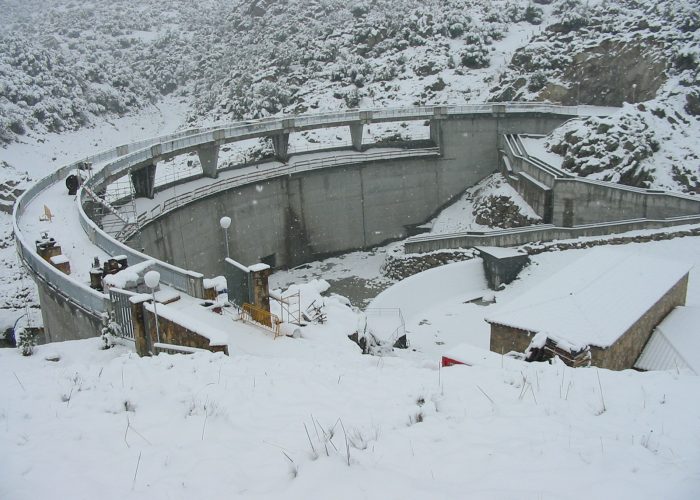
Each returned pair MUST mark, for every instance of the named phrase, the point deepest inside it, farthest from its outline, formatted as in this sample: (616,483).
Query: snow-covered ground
(461,215)
(312,417)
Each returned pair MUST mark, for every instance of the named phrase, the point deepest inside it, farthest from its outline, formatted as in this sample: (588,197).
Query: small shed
(675,343)
(502,265)
(605,306)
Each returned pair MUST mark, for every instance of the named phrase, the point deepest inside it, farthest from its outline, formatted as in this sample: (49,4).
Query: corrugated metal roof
(675,344)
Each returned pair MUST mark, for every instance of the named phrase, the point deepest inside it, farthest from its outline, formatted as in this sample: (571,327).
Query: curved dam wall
(63,319)
(289,220)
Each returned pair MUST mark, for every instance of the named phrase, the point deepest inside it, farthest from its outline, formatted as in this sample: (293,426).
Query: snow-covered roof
(675,344)
(501,252)
(594,300)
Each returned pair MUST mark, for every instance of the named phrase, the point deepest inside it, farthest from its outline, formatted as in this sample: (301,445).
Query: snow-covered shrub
(573,13)
(26,341)
(475,56)
(537,81)
(687,58)
(359,9)
(352,98)
(533,14)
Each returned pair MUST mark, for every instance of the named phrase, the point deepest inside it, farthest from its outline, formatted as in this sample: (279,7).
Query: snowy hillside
(640,54)
(67,64)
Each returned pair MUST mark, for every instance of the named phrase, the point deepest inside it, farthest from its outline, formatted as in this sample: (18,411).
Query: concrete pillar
(436,133)
(439,116)
(356,129)
(142,338)
(144,181)
(356,136)
(209,158)
(498,110)
(280,141)
(260,293)
(281,144)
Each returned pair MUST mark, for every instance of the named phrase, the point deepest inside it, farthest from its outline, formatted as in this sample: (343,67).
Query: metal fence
(257,176)
(121,309)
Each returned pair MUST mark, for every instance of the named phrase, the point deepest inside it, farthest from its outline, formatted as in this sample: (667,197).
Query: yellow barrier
(266,319)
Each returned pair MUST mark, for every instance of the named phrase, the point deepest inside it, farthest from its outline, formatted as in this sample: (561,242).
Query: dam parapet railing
(570,207)
(116,162)
(202,192)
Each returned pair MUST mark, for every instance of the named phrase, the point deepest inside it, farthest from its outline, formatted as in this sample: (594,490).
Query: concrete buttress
(144,181)
(209,159)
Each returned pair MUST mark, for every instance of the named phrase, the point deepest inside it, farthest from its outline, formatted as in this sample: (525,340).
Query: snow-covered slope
(110,425)
(65,62)
(490,203)
(643,54)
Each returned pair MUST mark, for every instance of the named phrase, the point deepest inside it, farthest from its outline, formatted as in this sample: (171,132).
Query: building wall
(172,333)
(505,339)
(623,354)
(502,270)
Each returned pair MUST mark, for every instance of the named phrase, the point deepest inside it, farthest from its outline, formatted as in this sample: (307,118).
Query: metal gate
(121,308)
(237,282)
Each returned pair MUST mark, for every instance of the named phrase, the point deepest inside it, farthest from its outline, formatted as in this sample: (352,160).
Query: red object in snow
(449,362)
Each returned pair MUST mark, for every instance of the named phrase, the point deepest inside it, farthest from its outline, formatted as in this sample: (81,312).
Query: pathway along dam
(296,208)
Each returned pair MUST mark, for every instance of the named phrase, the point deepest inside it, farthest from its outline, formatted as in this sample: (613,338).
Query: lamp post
(152,278)
(225,223)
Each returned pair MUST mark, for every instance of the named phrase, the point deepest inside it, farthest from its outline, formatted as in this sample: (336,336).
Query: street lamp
(152,278)
(225,223)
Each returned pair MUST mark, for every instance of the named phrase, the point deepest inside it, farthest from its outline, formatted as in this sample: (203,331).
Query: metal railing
(399,331)
(248,178)
(126,157)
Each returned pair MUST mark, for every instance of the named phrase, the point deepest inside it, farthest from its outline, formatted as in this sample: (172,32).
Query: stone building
(600,310)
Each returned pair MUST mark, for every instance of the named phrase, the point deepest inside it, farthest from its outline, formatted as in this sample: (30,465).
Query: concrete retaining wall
(290,220)
(537,195)
(63,320)
(293,219)
(509,238)
(593,202)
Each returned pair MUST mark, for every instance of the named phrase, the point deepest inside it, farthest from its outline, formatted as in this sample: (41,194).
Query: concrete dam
(296,208)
